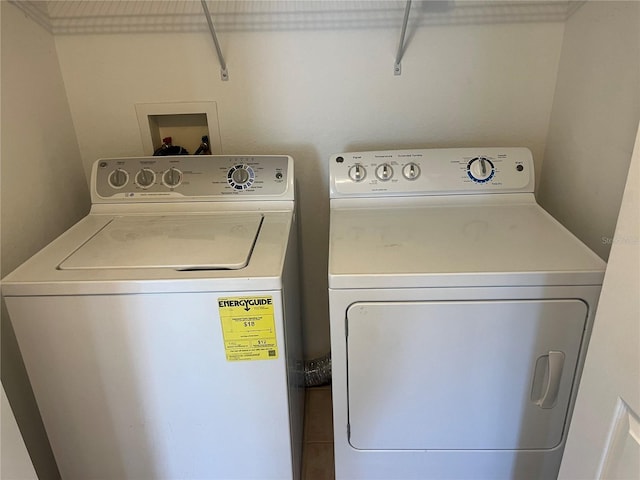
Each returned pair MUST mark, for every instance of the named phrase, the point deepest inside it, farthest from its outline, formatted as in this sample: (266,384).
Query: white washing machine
(161,333)
(460,315)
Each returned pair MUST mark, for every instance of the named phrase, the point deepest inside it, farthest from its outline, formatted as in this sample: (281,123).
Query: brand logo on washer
(246,303)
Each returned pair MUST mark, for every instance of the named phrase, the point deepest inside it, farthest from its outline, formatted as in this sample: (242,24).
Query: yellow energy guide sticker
(248,328)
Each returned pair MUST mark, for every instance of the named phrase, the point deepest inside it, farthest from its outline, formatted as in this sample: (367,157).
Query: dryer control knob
(480,169)
(357,173)
(411,171)
(384,172)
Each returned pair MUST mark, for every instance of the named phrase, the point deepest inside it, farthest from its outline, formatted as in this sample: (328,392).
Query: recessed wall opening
(186,124)
(186,129)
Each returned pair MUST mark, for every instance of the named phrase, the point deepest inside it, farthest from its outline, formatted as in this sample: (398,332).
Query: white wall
(15,463)
(612,367)
(595,117)
(43,189)
(314,92)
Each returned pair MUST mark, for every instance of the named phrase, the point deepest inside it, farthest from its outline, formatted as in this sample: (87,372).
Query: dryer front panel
(461,375)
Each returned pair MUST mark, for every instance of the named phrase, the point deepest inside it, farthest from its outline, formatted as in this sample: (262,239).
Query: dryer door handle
(555,365)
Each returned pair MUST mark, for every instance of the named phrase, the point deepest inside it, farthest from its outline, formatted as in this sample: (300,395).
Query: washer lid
(183,242)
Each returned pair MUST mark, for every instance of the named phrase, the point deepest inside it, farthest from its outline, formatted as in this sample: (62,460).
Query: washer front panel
(191,177)
(138,387)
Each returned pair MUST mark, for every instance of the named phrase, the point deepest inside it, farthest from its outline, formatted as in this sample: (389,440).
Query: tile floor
(317,450)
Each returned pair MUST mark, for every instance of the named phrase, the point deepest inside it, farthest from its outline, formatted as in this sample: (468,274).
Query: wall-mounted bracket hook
(397,70)
(224,74)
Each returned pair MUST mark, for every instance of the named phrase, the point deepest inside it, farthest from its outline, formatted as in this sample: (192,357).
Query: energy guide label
(248,328)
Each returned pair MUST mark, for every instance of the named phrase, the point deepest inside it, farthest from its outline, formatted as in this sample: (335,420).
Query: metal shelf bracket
(224,74)
(397,69)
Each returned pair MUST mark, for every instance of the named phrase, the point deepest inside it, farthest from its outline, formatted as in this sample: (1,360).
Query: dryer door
(461,375)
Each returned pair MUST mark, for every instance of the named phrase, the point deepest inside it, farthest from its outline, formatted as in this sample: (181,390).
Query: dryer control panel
(191,177)
(447,171)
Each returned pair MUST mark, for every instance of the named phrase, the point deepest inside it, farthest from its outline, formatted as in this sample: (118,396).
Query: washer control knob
(480,169)
(172,177)
(357,173)
(411,171)
(145,177)
(384,172)
(240,177)
(118,178)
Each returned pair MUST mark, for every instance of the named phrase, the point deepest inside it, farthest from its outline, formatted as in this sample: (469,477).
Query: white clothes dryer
(460,314)
(161,333)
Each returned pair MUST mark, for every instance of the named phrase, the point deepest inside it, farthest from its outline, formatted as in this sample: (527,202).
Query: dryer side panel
(461,375)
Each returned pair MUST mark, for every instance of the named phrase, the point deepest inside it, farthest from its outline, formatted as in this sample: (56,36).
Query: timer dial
(172,177)
(357,173)
(480,169)
(118,178)
(240,177)
(384,172)
(145,178)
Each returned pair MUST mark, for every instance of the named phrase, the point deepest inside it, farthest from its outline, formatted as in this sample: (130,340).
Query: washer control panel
(442,171)
(191,177)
